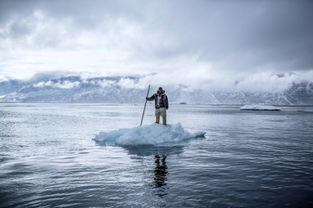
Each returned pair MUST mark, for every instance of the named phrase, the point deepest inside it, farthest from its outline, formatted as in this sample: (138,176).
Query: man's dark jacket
(163,101)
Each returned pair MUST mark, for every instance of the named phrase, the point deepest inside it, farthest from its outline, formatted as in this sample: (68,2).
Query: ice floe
(154,134)
(260,107)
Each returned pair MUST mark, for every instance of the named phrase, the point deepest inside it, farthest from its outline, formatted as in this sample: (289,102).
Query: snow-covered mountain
(126,89)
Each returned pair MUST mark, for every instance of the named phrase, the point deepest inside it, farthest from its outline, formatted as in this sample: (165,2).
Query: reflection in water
(146,150)
(160,171)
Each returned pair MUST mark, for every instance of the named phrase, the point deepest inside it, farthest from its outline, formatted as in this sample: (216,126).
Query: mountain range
(126,89)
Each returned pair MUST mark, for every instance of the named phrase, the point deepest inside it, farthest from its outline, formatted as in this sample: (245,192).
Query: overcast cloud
(259,45)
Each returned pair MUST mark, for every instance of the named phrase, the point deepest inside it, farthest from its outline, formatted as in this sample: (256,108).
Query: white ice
(260,107)
(154,134)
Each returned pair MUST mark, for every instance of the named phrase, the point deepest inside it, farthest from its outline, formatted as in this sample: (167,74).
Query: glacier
(153,134)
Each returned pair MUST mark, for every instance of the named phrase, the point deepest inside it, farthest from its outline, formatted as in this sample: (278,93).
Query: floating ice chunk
(260,107)
(154,134)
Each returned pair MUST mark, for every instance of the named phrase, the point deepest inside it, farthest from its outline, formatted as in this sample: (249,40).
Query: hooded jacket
(163,103)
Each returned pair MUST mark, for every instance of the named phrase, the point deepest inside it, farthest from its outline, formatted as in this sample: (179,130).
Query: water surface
(247,159)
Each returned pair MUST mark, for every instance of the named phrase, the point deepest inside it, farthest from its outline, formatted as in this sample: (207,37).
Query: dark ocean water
(247,159)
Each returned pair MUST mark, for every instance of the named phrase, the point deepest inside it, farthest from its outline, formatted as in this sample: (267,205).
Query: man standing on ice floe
(161,105)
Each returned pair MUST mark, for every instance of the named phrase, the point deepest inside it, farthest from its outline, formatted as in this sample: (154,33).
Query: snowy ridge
(154,134)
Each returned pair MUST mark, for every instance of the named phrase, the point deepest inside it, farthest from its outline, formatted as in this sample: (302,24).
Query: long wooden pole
(144,108)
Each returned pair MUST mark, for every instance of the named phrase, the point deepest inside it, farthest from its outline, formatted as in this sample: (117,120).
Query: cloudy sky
(245,44)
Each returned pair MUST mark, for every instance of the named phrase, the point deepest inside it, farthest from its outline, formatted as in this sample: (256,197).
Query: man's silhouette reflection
(160,171)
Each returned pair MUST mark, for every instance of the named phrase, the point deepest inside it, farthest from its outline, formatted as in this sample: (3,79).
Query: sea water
(49,157)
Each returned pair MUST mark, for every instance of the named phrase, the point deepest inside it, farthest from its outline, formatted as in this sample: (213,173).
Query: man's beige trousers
(160,112)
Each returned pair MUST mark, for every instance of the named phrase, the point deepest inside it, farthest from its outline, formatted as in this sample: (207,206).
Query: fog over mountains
(132,89)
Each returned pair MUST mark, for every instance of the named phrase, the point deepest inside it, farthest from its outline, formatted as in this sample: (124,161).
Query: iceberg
(154,134)
(260,107)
